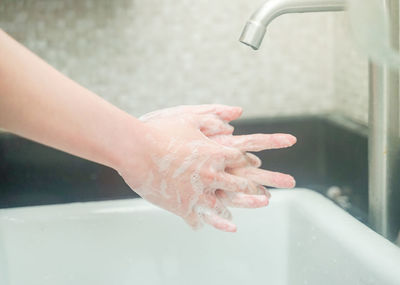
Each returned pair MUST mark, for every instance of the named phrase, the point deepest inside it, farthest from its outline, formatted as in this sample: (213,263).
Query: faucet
(384,107)
(254,31)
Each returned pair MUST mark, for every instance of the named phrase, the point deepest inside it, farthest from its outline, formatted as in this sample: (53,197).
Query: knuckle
(208,176)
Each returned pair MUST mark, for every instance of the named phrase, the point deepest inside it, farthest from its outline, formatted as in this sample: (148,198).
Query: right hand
(208,204)
(181,170)
(214,121)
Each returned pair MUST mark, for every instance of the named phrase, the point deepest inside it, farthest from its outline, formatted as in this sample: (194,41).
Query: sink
(32,174)
(300,238)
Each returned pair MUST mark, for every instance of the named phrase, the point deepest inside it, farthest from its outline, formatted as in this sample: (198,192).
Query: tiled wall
(147,54)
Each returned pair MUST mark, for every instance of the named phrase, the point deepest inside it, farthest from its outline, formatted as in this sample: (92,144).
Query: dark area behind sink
(331,151)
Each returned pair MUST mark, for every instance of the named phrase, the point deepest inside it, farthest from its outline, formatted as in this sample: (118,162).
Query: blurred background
(143,55)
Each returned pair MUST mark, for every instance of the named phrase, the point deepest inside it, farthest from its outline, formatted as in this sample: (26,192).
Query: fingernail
(239,109)
(230,227)
(286,140)
(291,182)
(233,229)
(293,139)
(264,200)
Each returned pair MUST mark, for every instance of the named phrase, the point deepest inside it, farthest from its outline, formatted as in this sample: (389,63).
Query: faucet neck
(253,32)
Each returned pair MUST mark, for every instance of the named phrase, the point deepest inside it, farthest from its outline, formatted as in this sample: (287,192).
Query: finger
(241,200)
(212,202)
(225,113)
(265,177)
(233,183)
(257,142)
(234,158)
(211,218)
(253,160)
(211,125)
(222,211)
(263,190)
(194,221)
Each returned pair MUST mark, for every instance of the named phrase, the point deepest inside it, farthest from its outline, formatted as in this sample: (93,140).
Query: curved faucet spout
(256,26)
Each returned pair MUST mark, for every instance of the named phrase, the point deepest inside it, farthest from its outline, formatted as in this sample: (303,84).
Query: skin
(259,197)
(185,160)
(224,172)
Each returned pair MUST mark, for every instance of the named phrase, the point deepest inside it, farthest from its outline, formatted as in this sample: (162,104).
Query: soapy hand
(195,176)
(255,143)
(182,169)
(214,121)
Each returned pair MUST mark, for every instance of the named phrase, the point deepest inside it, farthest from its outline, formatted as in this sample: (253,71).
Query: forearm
(39,103)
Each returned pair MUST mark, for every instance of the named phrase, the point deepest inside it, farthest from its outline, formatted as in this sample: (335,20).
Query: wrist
(129,150)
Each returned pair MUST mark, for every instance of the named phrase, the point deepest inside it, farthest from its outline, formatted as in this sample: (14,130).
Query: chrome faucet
(384,106)
(254,31)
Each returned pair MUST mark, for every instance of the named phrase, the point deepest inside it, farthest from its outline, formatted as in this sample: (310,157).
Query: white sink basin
(301,238)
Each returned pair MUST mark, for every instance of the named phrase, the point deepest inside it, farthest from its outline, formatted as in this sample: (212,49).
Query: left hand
(214,123)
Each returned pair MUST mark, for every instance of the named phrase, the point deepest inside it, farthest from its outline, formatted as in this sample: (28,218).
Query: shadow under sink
(331,151)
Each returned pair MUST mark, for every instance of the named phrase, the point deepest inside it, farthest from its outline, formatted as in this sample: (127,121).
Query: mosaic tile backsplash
(143,55)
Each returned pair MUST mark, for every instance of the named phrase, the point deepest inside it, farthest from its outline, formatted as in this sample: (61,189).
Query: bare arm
(39,103)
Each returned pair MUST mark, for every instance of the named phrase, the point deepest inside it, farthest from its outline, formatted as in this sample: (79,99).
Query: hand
(181,169)
(213,121)
(254,143)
